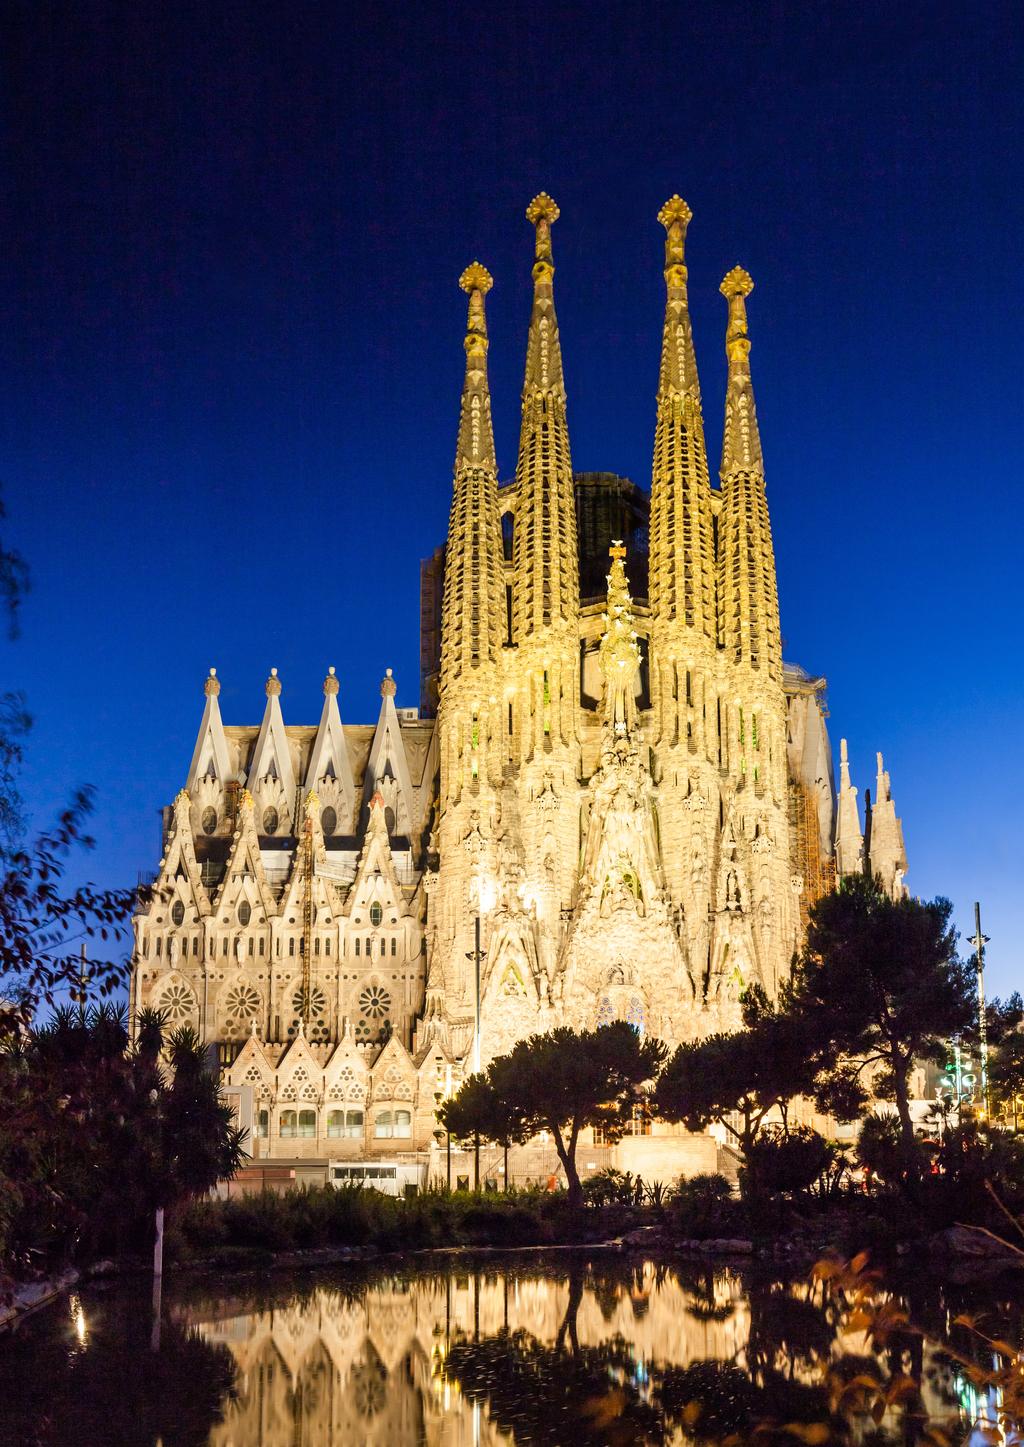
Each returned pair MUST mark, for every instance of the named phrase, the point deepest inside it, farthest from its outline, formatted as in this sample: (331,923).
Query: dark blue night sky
(230,349)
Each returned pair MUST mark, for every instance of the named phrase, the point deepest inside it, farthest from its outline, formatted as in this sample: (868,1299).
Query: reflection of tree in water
(703,1301)
(369,1383)
(589,1394)
(553,1394)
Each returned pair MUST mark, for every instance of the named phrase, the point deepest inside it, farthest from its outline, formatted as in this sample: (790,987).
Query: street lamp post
(476,1033)
(979,942)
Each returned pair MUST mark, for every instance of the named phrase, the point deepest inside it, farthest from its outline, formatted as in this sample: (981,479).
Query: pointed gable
(244,876)
(210,759)
(346,1074)
(180,877)
(393,1073)
(387,769)
(329,763)
(376,880)
(271,759)
(299,1073)
(251,1067)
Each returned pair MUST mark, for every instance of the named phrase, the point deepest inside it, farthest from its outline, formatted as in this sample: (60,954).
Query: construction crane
(307,917)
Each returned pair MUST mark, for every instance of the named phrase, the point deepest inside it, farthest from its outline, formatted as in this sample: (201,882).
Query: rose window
(315,1026)
(241,1005)
(375,1002)
(329,822)
(177,1003)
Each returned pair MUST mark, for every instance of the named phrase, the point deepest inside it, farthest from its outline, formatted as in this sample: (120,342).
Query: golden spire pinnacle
(545,553)
(475,447)
(748,588)
(682,574)
(273,687)
(472,607)
(675,216)
(542,213)
(331,684)
(741,446)
(212,685)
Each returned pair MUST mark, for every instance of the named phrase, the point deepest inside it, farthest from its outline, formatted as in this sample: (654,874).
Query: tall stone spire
(545,551)
(619,649)
(748,591)
(849,839)
(473,606)
(682,574)
(887,855)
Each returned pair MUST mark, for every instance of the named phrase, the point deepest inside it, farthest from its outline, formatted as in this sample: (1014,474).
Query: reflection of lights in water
(78,1321)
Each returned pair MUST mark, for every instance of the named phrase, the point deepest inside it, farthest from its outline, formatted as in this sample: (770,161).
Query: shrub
(879,1147)
(703,1206)
(784,1163)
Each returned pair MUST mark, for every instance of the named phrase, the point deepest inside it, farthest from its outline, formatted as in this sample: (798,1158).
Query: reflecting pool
(563,1349)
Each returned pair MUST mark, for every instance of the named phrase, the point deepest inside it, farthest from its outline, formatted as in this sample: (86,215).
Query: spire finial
(675,216)
(476,281)
(736,287)
(273,689)
(388,686)
(741,447)
(212,685)
(331,684)
(542,213)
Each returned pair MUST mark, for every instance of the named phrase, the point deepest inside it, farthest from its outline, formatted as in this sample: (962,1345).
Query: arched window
(291,946)
(403,1123)
(383,1126)
(358,944)
(244,912)
(288,1120)
(328,822)
(605,1013)
(376,914)
(209,820)
(307,1123)
(262,1124)
(177,912)
(270,820)
(394,945)
(347,1124)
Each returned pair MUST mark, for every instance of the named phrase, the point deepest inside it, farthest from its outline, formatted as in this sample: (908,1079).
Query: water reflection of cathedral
(340,1367)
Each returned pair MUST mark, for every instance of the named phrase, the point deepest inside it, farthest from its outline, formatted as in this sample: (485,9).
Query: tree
(880,982)
(750,1074)
(97,1133)
(561,1082)
(1006,1073)
(40,922)
(478,1112)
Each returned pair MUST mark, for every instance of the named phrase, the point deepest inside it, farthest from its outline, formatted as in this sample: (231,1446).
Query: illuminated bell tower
(470,713)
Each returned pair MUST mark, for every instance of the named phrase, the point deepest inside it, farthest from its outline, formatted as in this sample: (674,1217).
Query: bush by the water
(704,1207)
(356,1217)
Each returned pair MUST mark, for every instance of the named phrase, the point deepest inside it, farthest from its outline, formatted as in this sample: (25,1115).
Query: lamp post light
(979,942)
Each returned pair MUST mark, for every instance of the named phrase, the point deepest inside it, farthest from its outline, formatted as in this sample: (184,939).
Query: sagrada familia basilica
(615,799)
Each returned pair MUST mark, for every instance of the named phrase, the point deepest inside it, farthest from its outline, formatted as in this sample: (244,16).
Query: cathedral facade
(614,801)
